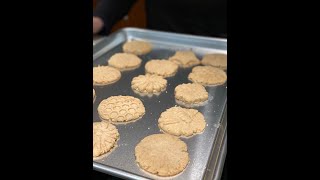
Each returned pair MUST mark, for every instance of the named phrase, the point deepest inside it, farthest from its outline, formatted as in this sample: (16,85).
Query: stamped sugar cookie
(162,155)
(215,60)
(180,121)
(124,61)
(185,59)
(105,136)
(207,76)
(137,47)
(104,75)
(121,109)
(191,93)
(149,84)
(163,68)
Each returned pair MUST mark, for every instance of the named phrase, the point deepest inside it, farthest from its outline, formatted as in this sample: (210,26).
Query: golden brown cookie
(137,47)
(207,76)
(162,155)
(163,68)
(185,59)
(104,75)
(191,93)
(105,136)
(215,60)
(180,121)
(150,84)
(124,61)
(121,109)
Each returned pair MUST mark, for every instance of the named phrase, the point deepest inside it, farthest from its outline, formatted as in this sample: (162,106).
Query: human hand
(97,24)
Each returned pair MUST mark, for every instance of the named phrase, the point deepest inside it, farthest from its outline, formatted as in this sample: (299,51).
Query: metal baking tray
(207,150)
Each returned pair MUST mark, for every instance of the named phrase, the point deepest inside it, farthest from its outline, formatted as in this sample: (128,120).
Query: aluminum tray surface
(121,162)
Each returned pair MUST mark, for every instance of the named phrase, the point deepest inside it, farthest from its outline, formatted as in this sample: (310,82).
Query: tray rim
(97,51)
(99,39)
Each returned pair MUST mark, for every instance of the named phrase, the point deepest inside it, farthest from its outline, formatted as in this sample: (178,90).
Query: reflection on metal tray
(206,150)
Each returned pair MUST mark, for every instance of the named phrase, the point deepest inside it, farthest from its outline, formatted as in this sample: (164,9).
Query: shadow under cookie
(121,122)
(147,94)
(191,105)
(181,136)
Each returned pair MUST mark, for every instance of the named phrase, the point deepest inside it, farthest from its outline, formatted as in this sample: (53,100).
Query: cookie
(104,75)
(207,76)
(124,61)
(150,84)
(121,109)
(191,93)
(185,59)
(215,60)
(180,121)
(137,47)
(162,155)
(163,68)
(105,136)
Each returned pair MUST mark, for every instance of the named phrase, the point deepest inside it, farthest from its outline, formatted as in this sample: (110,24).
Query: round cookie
(215,60)
(191,93)
(105,136)
(180,121)
(162,155)
(150,84)
(207,76)
(185,59)
(124,61)
(104,75)
(137,47)
(121,109)
(163,68)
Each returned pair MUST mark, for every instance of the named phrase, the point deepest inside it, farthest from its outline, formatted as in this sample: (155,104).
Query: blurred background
(137,11)
(201,17)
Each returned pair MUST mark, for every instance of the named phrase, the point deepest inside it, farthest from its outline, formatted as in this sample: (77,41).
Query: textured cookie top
(121,109)
(191,93)
(137,47)
(149,83)
(162,155)
(124,61)
(163,68)
(207,75)
(104,75)
(180,121)
(105,136)
(185,59)
(215,60)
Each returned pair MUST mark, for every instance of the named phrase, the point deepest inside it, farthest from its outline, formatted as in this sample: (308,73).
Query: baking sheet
(201,148)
